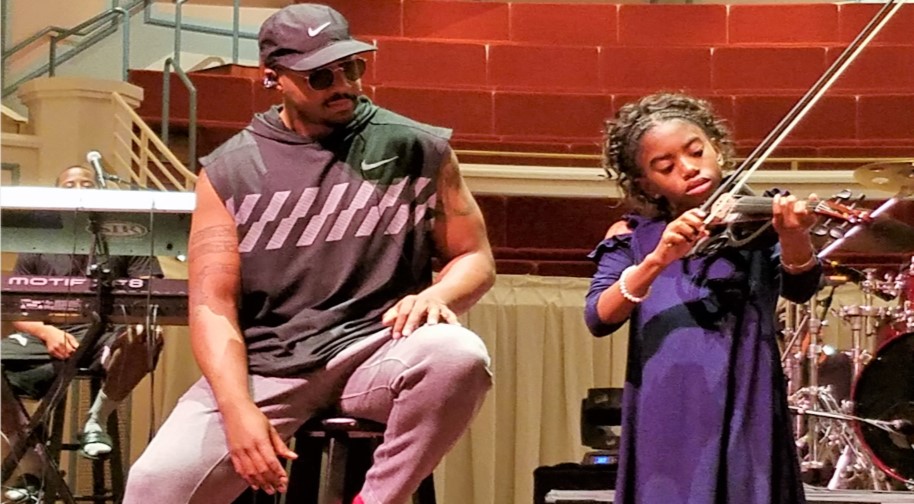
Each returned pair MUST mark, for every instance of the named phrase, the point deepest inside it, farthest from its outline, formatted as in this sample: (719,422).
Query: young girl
(705,415)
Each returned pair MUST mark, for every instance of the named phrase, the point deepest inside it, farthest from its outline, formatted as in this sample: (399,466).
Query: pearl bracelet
(796,269)
(624,290)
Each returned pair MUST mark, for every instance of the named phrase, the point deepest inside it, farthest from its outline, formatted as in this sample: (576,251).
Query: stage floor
(813,494)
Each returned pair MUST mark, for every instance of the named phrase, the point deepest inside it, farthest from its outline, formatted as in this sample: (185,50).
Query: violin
(746,208)
(739,220)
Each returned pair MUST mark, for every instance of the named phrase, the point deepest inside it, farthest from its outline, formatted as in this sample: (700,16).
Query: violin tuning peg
(836,232)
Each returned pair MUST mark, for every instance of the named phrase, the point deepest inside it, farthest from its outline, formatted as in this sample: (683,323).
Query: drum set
(854,422)
(854,409)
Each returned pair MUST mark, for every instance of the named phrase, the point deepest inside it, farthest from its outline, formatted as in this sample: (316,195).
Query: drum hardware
(859,317)
(899,426)
(815,331)
(863,318)
(898,319)
(803,355)
(829,437)
(795,325)
(842,450)
(866,436)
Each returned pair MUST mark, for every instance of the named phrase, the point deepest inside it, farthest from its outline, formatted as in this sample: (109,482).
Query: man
(32,356)
(310,283)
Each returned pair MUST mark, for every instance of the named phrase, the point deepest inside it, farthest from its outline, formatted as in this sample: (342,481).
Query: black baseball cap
(306,36)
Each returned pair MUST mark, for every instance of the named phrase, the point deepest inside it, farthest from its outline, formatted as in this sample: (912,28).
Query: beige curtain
(544,361)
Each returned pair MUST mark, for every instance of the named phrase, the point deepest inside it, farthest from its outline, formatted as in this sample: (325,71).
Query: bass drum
(885,391)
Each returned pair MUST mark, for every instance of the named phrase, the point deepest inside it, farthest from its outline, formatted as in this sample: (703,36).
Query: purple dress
(705,417)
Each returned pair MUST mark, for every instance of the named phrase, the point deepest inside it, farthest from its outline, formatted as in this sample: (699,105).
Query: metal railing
(92,30)
(191,114)
(235,33)
(145,157)
(191,91)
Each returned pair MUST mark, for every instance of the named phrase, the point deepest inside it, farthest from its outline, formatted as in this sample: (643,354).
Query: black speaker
(571,476)
(601,410)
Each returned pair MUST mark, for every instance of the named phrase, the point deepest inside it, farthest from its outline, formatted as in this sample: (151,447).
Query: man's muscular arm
(214,281)
(461,241)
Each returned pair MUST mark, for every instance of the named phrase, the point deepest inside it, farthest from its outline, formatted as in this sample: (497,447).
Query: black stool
(114,460)
(334,453)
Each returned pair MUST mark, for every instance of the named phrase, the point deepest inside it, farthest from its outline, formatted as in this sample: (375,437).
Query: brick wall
(545,76)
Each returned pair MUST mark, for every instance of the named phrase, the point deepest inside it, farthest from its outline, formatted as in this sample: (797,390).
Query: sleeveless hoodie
(332,232)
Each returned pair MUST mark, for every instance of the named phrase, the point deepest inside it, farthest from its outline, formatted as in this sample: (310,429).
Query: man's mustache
(341,96)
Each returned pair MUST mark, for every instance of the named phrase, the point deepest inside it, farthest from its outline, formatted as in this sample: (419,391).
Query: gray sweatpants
(426,388)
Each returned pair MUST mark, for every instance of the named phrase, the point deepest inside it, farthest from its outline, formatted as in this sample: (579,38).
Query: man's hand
(255,447)
(414,310)
(60,344)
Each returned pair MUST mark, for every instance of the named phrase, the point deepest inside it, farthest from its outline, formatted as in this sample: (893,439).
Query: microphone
(94,158)
(854,275)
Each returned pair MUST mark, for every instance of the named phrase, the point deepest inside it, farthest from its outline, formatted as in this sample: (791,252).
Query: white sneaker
(26,490)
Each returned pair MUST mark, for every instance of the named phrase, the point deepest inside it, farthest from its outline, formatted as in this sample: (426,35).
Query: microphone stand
(121,182)
(36,431)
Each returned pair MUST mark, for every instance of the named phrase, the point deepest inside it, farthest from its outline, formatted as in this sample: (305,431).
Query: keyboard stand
(36,431)
(55,486)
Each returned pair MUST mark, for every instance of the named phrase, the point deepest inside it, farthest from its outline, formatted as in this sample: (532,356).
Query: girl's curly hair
(622,139)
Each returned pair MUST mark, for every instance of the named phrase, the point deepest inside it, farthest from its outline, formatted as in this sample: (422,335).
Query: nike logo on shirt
(372,166)
(314,31)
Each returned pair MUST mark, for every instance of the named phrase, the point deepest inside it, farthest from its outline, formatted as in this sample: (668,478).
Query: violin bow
(758,156)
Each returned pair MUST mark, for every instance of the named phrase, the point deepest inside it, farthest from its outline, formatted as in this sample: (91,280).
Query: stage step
(813,494)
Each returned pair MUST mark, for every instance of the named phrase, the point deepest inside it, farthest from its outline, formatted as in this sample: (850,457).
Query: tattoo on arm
(453,201)
(213,241)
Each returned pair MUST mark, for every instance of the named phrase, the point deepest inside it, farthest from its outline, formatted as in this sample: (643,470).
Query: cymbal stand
(792,355)
(812,359)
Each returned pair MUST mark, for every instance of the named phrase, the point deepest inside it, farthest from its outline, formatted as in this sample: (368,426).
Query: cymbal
(890,177)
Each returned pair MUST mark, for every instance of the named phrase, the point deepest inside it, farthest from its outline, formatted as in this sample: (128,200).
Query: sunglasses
(323,78)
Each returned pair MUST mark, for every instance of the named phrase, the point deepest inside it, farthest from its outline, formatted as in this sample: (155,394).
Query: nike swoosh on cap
(372,166)
(314,31)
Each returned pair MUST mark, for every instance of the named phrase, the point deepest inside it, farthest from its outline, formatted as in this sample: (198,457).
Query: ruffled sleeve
(612,255)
